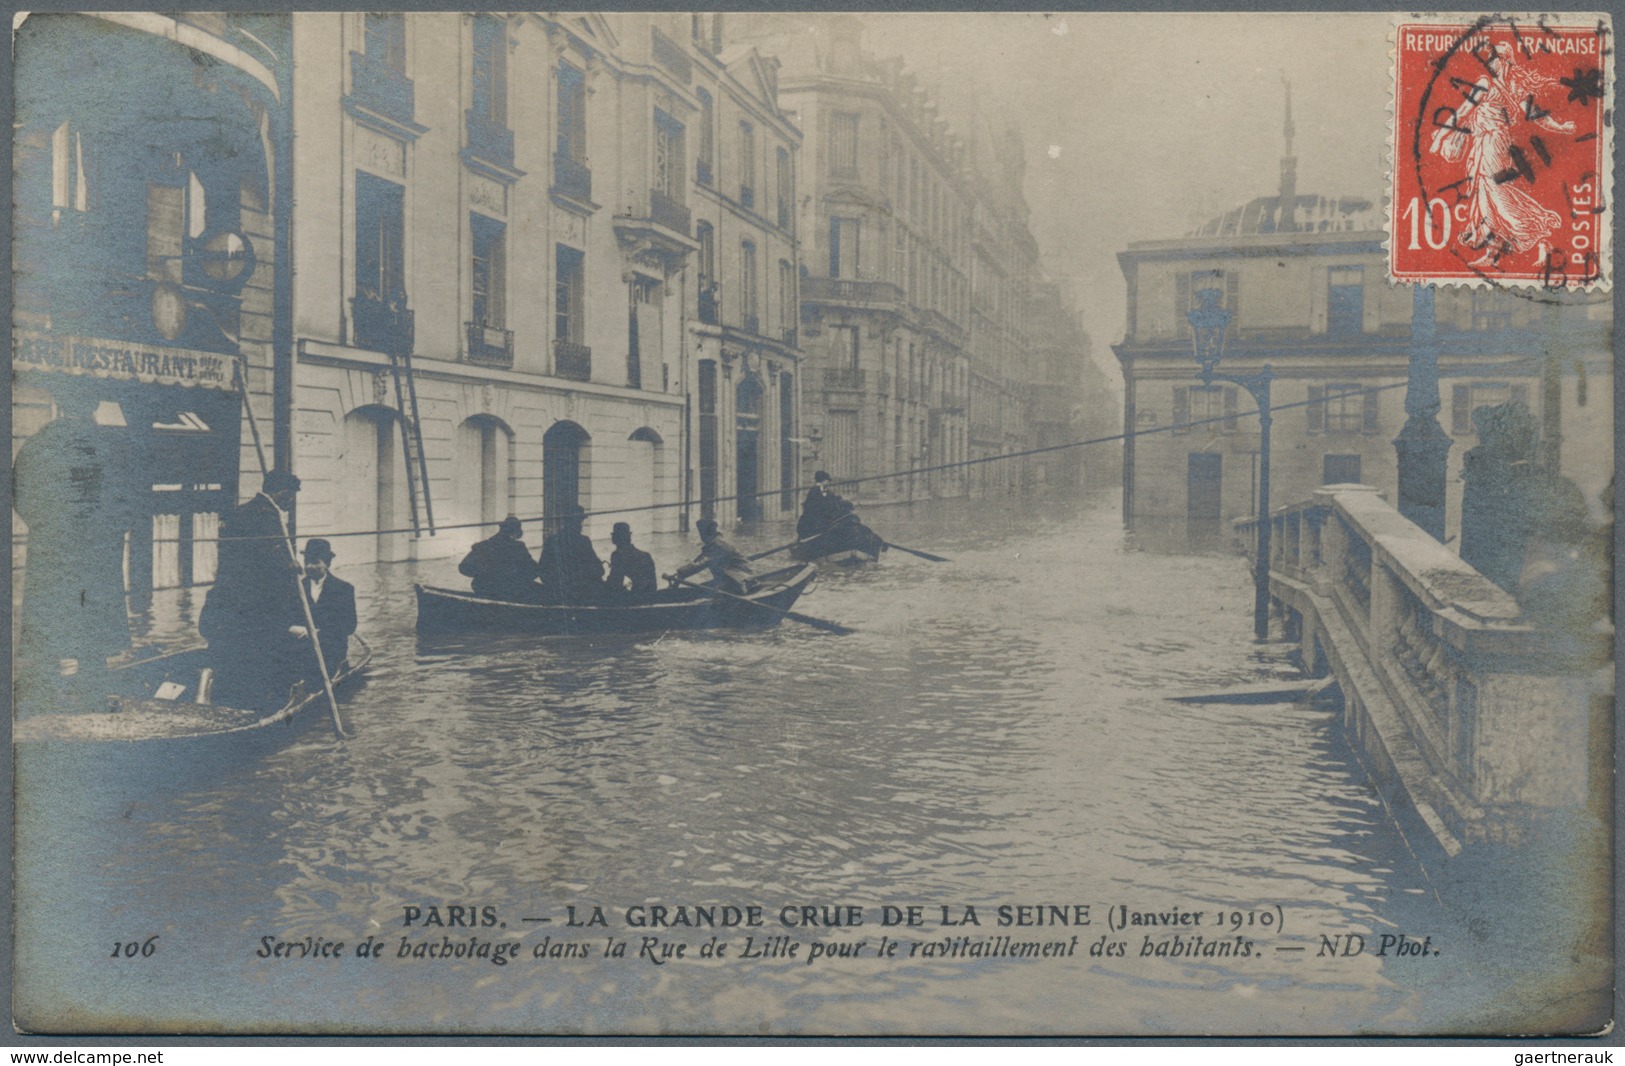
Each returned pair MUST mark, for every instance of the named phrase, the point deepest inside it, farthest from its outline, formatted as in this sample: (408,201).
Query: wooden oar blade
(819,623)
(921,554)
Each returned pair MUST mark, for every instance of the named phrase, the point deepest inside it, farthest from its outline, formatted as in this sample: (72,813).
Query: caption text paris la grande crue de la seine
(829,934)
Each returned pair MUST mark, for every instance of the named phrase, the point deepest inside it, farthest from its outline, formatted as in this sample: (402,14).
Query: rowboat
(146,740)
(443,610)
(844,544)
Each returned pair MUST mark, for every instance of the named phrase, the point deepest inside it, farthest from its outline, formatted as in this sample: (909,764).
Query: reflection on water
(996,734)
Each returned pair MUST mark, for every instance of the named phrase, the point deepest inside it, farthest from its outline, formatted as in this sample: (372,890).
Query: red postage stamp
(1501,167)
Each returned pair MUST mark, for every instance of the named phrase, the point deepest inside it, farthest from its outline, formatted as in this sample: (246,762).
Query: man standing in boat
(832,522)
(730,571)
(570,569)
(821,509)
(74,484)
(332,608)
(501,565)
(631,570)
(255,599)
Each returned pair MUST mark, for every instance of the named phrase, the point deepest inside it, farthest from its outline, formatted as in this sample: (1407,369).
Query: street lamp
(1209,322)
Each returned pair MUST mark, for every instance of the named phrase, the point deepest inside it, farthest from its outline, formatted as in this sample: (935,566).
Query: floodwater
(996,735)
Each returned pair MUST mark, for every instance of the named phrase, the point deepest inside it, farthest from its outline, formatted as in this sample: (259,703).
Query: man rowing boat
(730,571)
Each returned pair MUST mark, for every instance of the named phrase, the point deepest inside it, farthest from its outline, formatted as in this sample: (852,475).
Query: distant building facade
(1304,279)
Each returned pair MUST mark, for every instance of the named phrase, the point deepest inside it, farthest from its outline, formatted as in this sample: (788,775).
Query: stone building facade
(1304,279)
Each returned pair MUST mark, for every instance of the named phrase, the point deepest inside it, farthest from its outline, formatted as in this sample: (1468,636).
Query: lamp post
(1209,323)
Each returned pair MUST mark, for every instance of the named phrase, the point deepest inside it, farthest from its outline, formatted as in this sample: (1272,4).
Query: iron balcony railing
(489,141)
(845,377)
(380,88)
(572,361)
(850,290)
(664,211)
(571,177)
(489,345)
(381,325)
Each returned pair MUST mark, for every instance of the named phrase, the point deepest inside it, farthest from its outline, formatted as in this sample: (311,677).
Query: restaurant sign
(121,360)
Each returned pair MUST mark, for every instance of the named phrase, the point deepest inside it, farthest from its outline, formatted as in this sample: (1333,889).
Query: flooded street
(997,735)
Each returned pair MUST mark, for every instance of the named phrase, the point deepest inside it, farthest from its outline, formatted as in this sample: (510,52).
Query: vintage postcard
(813,524)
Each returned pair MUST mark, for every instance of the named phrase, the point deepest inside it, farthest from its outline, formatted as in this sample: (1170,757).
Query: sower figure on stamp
(255,600)
(332,608)
(74,485)
(1502,218)
(501,566)
(631,570)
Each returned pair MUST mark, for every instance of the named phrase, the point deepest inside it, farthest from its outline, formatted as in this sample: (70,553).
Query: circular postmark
(1501,154)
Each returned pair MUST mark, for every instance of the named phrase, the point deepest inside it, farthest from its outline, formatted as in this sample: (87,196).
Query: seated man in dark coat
(254,600)
(730,571)
(570,569)
(501,566)
(629,565)
(332,607)
(820,509)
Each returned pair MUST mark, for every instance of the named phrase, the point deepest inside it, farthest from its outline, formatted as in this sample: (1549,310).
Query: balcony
(572,361)
(850,291)
(664,211)
(845,377)
(572,178)
(381,89)
(488,141)
(710,308)
(490,345)
(380,325)
(747,197)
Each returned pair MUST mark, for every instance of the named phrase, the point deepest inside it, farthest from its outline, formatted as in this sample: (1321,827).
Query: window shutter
(1230,410)
(1317,408)
(1461,409)
(1182,303)
(1182,409)
(1370,422)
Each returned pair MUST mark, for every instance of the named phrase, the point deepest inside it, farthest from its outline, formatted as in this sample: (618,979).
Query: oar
(293,554)
(796,616)
(915,551)
(801,540)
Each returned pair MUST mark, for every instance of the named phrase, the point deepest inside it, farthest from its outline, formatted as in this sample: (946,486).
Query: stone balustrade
(1480,720)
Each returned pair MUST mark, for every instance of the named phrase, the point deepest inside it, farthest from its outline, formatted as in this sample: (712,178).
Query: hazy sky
(1138,127)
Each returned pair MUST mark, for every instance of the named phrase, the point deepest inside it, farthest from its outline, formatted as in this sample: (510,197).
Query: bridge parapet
(1484,720)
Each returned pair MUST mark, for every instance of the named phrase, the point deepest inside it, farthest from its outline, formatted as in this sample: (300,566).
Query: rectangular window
(384,40)
(489,271)
(380,245)
(1345,405)
(1468,398)
(491,70)
(572,118)
(1345,301)
(843,144)
(708,437)
(1492,309)
(747,164)
(748,305)
(789,313)
(645,342)
(843,247)
(568,291)
(1340,470)
(784,189)
(845,347)
(705,157)
(669,169)
(68,191)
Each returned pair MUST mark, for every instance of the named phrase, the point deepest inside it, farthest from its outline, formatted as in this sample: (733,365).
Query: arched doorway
(748,430)
(563,454)
(371,487)
(643,482)
(484,479)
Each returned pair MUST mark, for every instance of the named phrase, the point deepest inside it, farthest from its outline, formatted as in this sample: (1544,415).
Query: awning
(122,361)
